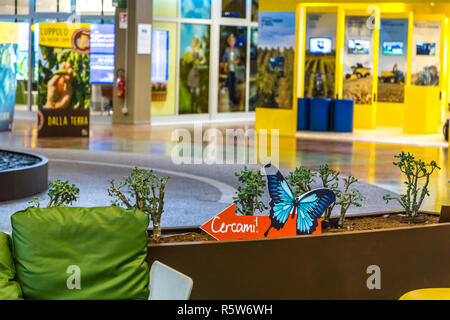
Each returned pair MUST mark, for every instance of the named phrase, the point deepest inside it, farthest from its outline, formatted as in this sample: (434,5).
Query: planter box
(159,95)
(328,266)
(22,182)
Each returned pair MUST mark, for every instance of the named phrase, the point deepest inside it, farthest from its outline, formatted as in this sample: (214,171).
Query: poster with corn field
(320,55)
(319,75)
(276,43)
(64,91)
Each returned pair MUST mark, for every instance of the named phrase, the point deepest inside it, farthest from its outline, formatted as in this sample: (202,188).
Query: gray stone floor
(195,193)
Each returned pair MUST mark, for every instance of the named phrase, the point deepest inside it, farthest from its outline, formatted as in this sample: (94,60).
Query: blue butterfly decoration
(309,207)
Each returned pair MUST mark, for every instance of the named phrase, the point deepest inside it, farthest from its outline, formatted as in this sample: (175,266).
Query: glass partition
(46,5)
(253,87)
(196,9)
(7,7)
(65,5)
(165,8)
(234,9)
(23,7)
(88,6)
(255,5)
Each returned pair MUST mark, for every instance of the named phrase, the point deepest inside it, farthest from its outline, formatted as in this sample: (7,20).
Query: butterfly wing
(282,203)
(310,208)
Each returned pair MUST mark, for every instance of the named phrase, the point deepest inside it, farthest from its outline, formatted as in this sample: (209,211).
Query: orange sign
(228,226)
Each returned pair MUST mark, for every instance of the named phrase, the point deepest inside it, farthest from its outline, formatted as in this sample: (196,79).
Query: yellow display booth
(422,107)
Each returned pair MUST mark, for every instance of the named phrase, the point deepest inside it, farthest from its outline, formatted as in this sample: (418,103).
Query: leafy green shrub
(61,194)
(301,178)
(146,193)
(330,179)
(347,198)
(247,197)
(415,170)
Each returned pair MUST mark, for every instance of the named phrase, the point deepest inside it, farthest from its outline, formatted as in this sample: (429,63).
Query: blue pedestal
(303,114)
(319,116)
(343,115)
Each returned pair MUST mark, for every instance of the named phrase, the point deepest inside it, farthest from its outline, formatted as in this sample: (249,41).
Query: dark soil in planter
(184,237)
(382,222)
(364,222)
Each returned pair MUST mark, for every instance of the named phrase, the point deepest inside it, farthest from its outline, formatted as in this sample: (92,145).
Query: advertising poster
(276,43)
(64,87)
(194,68)
(426,56)
(358,60)
(232,68)
(392,60)
(320,56)
(8,70)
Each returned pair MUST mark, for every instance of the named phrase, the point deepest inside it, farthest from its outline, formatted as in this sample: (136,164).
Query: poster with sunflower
(64,88)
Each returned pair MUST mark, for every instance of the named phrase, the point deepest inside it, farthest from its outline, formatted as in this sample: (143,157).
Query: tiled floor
(369,161)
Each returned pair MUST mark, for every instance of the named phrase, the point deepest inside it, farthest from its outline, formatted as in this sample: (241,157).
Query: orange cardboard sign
(228,226)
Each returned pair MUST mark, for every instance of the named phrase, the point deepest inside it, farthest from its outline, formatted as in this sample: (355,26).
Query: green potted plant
(61,194)
(417,174)
(248,195)
(145,191)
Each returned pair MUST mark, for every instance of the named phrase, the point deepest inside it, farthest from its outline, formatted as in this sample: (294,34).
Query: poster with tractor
(392,60)
(275,59)
(64,88)
(358,60)
(426,53)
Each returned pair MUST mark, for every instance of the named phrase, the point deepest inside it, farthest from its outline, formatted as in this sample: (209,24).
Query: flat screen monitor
(425,48)
(320,45)
(160,56)
(393,48)
(102,53)
(358,46)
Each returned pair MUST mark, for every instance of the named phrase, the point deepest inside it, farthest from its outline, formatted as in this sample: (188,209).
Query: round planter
(24,181)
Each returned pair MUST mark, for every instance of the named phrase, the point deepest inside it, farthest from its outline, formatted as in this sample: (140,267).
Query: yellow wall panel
(167,107)
(423,110)
(364,116)
(283,120)
(390,114)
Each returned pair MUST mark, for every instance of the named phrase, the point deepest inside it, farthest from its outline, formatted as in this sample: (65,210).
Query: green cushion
(9,289)
(81,253)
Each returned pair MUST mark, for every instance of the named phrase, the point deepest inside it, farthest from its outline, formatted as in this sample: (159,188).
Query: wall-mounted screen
(393,48)
(320,45)
(358,46)
(160,56)
(425,49)
(102,53)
